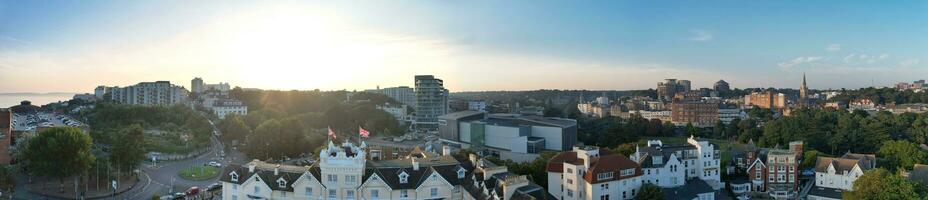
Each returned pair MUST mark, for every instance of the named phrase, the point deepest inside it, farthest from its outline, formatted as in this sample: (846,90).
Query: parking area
(29,122)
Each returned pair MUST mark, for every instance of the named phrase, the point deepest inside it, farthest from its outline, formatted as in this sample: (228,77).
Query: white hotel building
(689,171)
(343,172)
(672,165)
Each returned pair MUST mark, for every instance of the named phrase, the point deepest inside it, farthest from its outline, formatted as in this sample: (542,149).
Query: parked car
(214,164)
(192,191)
(214,187)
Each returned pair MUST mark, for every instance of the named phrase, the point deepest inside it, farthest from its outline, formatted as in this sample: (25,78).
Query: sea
(38,99)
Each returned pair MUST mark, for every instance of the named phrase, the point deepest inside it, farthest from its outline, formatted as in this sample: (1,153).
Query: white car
(214,164)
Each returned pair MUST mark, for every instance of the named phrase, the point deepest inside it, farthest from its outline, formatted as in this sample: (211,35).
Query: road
(162,178)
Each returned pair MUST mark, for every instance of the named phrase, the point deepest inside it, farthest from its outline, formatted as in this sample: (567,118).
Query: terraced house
(343,172)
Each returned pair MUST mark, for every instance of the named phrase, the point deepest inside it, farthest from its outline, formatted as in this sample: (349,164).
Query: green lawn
(199,173)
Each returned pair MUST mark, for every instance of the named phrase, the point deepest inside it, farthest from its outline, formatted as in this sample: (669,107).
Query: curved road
(162,178)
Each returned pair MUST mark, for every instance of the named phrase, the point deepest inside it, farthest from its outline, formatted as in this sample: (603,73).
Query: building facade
(587,173)
(149,93)
(342,172)
(672,165)
(224,107)
(402,94)
(431,101)
(698,113)
(833,176)
(670,87)
(765,100)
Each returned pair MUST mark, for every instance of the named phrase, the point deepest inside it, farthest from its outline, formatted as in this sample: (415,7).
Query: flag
(331,133)
(364,133)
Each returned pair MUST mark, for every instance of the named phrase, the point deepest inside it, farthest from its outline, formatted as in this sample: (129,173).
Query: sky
(74,46)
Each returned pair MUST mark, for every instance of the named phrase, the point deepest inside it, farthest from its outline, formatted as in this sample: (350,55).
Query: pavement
(160,178)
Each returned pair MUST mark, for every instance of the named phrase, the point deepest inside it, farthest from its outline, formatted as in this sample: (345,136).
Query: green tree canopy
(901,154)
(130,151)
(650,191)
(881,184)
(59,152)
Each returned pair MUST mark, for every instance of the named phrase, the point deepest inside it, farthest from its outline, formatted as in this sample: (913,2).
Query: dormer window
(233,176)
(281,183)
(461,173)
(404,178)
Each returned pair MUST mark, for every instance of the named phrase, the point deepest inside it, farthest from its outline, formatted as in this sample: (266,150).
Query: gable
(434,179)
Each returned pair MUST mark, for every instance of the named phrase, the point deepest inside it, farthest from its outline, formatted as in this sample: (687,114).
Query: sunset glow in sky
(73,46)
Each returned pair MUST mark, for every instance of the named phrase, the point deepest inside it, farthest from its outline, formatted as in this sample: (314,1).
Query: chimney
(445,150)
(251,168)
(277,170)
(415,165)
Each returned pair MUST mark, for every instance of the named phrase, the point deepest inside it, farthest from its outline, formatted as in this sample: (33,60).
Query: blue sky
(473,45)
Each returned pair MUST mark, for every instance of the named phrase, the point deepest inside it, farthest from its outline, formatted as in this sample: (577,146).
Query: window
(461,173)
(234,176)
(624,196)
(332,178)
(375,194)
(331,194)
(569,170)
(570,181)
(434,192)
(604,197)
(281,183)
(234,188)
(349,194)
(627,172)
(404,194)
(308,191)
(351,179)
(404,178)
(570,193)
(257,190)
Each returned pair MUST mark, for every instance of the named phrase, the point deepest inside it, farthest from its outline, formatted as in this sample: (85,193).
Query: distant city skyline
(64,46)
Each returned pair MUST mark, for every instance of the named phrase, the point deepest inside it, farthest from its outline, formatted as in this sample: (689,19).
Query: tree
(234,128)
(59,152)
(668,129)
(129,152)
(691,130)
(654,127)
(881,184)
(650,192)
(901,154)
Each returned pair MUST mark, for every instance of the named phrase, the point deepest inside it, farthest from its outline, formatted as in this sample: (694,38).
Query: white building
(672,165)
(511,136)
(224,107)
(477,105)
(663,115)
(833,176)
(585,174)
(149,93)
(343,173)
(402,94)
(727,114)
(399,112)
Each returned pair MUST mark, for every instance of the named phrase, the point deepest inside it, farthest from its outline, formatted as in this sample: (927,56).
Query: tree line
(289,124)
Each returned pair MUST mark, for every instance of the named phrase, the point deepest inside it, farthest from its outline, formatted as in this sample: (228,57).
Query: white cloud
(700,36)
(801,60)
(909,62)
(833,47)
